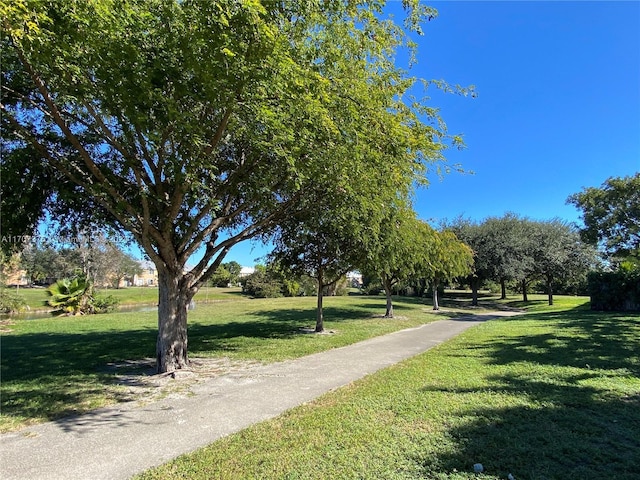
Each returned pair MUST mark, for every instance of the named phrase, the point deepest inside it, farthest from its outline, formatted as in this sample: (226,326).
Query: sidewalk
(118,442)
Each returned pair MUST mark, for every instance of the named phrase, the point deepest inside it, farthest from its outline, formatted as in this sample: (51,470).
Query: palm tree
(70,297)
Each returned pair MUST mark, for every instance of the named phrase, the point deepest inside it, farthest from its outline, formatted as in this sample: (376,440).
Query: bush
(105,304)
(11,302)
(338,289)
(617,291)
(262,285)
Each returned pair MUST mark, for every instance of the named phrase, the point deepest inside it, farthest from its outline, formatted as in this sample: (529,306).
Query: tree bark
(435,296)
(173,301)
(550,290)
(475,285)
(387,290)
(503,289)
(525,298)
(319,314)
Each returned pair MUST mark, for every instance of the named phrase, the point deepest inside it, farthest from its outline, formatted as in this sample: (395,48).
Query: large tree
(194,125)
(557,253)
(500,249)
(611,216)
(506,242)
(470,232)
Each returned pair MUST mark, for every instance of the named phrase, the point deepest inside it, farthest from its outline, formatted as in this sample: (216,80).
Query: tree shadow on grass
(580,417)
(581,437)
(51,375)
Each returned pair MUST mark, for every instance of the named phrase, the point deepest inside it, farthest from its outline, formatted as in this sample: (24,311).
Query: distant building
(148,277)
(355,279)
(16,278)
(246,271)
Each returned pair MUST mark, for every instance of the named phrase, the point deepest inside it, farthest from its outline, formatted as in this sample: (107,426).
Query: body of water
(36,314)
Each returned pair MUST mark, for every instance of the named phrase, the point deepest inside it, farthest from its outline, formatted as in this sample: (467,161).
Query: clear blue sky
(558,105)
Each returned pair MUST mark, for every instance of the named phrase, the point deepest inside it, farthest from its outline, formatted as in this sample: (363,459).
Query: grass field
(553,394)
(53,367)
(36,297)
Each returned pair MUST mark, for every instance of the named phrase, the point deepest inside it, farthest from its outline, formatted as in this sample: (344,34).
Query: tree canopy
(194,125)
(402,250)
(611,215)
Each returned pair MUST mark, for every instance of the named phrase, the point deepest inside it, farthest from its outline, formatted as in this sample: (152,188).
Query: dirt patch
(137,381)
(395,317)
(312,330)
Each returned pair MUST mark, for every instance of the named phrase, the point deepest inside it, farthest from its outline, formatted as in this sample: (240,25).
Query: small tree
(403,248)
(451,258)
(70,297)
(234,269)
(122,266)
(324,245)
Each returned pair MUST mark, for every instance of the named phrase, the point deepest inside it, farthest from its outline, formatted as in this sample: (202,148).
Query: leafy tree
(557,252)
(611,215)
(221,277)
(318,254)
(70,297)
(402,250)
(121,266)
(470,233)
(196,124)
(41,262)
(501,249)
(506,245)
(330,238)
(450,258)
(234,269)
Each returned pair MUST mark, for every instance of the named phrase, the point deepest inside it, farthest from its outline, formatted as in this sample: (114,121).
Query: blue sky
(558,105)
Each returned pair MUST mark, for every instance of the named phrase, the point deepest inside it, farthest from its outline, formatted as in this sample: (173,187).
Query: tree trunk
(550,290)
(435,296)
(387,291)
(475,286)
(173,301)
(503,289)
(319,315)
(525,298)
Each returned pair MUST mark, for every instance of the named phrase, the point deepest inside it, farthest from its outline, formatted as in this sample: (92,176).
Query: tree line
(93,258)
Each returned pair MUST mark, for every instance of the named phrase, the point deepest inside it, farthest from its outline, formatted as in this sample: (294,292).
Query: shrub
(11,302)
(615,290)
(262,285)
(70,297)
(106,304)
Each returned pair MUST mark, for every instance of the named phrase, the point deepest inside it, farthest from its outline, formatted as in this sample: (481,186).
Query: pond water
(34,315)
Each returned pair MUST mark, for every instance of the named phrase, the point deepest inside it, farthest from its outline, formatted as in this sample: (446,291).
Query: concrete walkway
(118,442)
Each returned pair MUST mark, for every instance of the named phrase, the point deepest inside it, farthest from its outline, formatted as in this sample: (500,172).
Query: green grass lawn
(36,297)
(54,367)
(553,394)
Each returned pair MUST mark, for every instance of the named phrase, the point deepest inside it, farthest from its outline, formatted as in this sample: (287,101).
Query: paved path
(118,442)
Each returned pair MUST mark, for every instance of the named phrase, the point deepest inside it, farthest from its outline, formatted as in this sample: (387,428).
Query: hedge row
(618,291)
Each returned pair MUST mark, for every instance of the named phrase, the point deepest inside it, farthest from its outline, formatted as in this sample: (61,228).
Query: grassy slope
(56,366)
(554,394)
